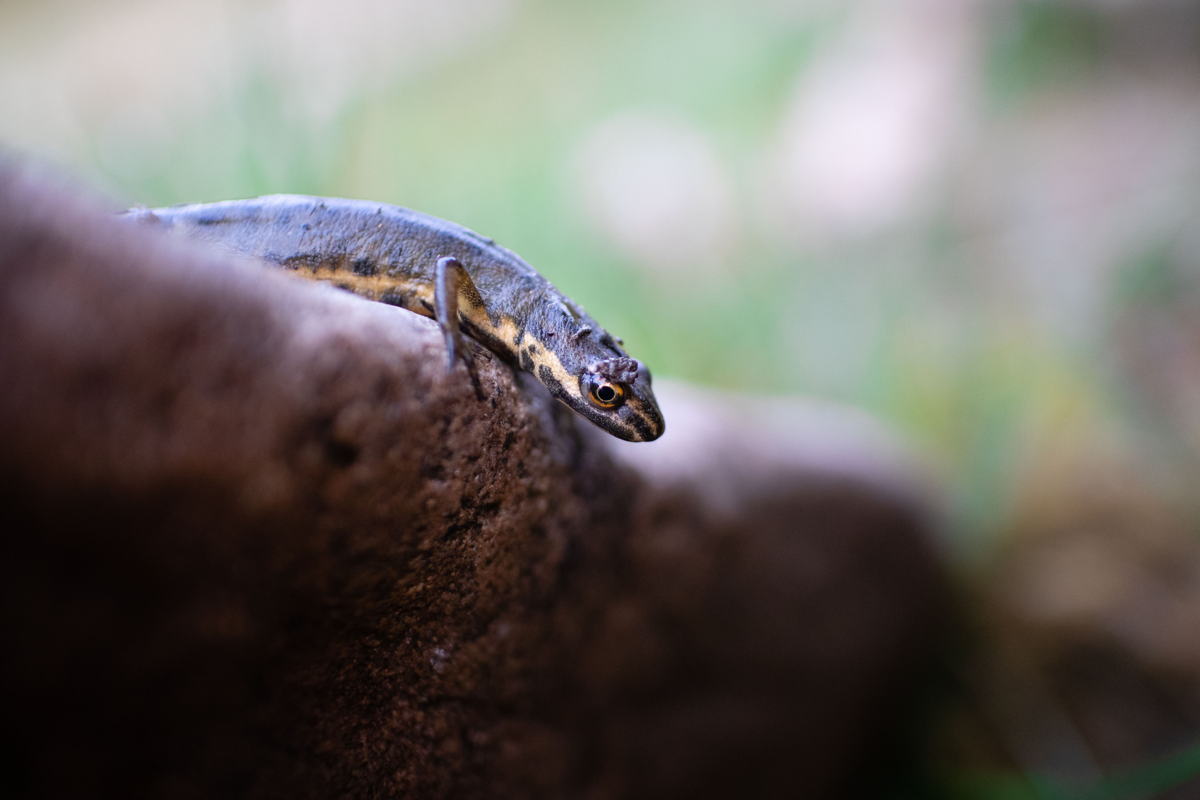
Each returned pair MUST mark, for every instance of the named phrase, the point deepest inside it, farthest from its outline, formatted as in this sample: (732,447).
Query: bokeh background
(976,220)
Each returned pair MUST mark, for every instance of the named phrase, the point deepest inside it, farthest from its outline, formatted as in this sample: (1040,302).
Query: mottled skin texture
(390,254)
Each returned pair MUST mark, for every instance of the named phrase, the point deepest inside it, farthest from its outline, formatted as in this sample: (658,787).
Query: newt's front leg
(450,280)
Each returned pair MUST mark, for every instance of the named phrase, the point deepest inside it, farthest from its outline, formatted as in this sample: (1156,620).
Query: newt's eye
(602,393)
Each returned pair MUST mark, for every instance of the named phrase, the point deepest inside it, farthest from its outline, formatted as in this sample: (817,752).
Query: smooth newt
(438,269)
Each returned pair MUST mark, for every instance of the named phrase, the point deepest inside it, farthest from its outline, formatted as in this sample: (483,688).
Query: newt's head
(615,393)
(612,392)
(586,368)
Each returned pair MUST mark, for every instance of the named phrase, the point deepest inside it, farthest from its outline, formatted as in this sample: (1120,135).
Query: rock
(259,542)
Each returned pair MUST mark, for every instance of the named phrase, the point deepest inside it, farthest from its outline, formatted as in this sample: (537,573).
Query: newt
(464,281)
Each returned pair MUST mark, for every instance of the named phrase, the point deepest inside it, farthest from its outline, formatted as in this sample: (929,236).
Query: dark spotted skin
(390,254)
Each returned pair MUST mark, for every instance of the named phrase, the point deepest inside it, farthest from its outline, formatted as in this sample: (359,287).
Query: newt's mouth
(635,421)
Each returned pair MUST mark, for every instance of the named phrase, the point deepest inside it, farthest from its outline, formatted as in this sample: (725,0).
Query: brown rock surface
(257,541)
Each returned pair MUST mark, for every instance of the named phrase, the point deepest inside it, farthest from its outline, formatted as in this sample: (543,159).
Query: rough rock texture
(258,542)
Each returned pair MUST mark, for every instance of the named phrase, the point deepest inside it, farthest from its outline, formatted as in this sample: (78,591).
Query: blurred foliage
(1043,42)
(1147,781)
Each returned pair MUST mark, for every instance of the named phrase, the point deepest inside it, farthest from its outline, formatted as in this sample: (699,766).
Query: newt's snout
(648,419)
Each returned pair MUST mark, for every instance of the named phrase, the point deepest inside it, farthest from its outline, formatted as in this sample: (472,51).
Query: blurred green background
(975,220)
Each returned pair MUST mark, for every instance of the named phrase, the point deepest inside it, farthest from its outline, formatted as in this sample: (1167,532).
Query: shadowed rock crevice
(260,542)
